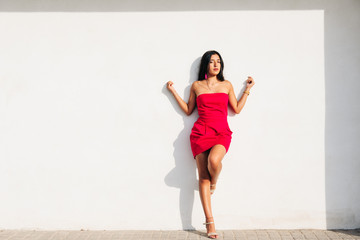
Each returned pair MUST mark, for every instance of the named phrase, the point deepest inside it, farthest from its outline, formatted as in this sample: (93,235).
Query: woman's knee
(204,174)
(204,179)
(214,161)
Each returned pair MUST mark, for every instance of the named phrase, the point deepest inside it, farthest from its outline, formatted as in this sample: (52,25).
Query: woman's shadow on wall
(184,174)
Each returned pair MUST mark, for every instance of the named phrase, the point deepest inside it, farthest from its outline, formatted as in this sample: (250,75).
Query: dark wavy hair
(205,62)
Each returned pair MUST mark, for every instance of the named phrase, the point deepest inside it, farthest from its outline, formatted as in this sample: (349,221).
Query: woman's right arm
(188,108)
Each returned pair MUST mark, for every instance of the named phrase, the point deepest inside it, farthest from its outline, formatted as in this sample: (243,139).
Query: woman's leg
(204,188)
(215,157)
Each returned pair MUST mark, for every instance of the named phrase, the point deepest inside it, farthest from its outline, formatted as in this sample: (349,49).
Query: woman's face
(214,65)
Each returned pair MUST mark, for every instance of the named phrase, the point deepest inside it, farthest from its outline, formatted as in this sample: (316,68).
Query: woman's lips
(215,69)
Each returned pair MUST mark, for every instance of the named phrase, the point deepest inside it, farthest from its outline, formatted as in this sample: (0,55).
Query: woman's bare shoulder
(228,83)
(195,84)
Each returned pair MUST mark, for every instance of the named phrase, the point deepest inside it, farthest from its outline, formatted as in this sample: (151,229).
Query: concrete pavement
(297,234)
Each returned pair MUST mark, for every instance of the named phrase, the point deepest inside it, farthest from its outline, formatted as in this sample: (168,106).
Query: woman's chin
(214,74)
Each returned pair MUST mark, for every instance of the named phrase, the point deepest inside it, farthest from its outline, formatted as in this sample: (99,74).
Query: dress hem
(226,149)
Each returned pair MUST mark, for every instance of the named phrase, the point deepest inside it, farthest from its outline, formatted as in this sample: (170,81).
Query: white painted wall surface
(90,137)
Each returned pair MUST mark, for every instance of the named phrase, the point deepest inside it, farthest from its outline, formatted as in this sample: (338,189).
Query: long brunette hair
(205,62)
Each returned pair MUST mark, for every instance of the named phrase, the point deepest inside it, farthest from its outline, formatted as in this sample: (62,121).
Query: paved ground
(298,234)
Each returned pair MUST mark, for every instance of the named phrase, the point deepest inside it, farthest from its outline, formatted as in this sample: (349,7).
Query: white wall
(92,139)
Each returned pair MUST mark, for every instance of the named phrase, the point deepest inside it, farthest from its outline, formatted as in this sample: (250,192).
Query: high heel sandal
(211,233)
(212,190)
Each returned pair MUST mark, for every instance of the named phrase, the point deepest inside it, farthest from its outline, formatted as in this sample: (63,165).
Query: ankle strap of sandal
(208,223)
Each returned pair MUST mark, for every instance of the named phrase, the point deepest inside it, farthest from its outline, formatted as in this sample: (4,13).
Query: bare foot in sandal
(210,228)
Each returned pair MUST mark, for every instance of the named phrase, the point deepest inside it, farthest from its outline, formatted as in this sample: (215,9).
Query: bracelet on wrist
(247,92)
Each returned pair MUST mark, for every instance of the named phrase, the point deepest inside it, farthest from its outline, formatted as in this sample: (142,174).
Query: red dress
(212,127)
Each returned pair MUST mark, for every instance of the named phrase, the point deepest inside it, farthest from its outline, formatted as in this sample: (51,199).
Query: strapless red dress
(212,127)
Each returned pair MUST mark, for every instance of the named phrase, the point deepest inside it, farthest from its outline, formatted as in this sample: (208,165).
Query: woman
(211,136)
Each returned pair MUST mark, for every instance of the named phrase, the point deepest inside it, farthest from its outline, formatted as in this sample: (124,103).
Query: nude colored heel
(212,190)
(211,233)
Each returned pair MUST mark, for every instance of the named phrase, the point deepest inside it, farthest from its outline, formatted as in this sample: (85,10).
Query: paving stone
(261,234)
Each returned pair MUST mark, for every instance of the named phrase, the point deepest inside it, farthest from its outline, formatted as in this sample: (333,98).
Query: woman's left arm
(238,105)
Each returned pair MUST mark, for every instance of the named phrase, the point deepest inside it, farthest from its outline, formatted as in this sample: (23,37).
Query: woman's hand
(170,86)
(249,82)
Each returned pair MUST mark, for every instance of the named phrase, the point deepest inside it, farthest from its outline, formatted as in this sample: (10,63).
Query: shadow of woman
(184,175)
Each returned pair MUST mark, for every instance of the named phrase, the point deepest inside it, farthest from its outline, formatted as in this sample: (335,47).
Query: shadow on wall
(183,175)
(342,54)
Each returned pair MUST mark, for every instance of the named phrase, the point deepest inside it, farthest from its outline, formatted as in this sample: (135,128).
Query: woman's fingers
(169,85)
(250,81)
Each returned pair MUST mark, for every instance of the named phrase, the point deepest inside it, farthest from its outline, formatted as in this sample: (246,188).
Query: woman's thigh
(202,163)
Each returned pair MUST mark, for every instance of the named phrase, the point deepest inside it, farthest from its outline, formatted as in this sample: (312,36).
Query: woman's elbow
(237,110)
(188,113)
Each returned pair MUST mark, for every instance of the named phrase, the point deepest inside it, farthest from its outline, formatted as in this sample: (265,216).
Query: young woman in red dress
(210,136)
